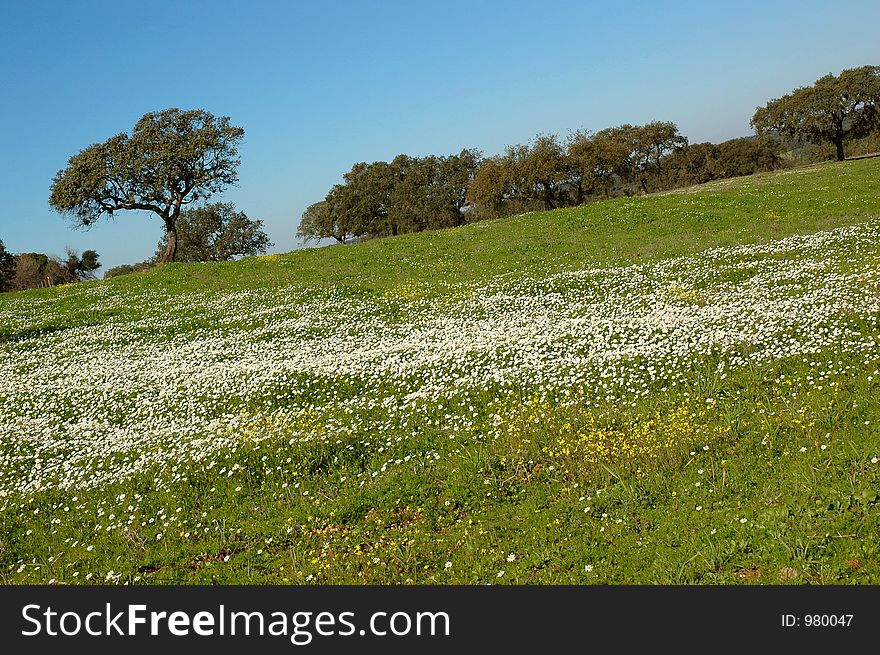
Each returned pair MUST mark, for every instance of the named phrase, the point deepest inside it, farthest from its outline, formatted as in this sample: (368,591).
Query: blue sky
(320,86)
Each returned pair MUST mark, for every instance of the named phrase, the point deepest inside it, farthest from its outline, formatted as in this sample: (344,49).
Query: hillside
(676,388)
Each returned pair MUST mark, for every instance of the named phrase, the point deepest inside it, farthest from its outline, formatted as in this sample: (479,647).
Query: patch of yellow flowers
(675,293)
(577,438)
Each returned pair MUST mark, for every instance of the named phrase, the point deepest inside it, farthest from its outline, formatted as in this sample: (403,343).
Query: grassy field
(679,388)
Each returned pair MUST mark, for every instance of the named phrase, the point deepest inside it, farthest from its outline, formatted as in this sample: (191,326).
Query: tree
(77,267)
(415,202)
(694,164)
(31,271)
(430,193)
(89,263)
(7,269)
(216,233)
(35,270)
(173,158)
(491,191)
(456,174)
(409,194)
(541,170)
(334,217)
(834,109)
(596,162)
(651,143)
(534,176)
(745,156)
(365,197)
(317,223)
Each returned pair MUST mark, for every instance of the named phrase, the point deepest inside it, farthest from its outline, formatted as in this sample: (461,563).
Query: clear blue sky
(318,86)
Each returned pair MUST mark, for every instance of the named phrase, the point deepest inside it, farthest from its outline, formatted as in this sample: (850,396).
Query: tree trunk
(548,196)
(170,244)
(838,143)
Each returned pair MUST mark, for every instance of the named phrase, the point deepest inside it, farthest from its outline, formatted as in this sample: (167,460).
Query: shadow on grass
(11,337)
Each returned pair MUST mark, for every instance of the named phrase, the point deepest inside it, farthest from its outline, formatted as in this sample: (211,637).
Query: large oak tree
(173,158)
(833,110)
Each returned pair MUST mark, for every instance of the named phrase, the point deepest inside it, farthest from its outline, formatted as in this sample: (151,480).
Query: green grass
(765,473)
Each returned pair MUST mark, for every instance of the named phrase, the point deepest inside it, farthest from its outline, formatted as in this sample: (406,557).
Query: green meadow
(678,388)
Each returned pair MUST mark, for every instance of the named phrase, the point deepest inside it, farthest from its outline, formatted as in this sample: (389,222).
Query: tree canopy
(216,233)
(649,144)
(81,267)
(328,218)
(173,158)
(491,192)
(835,109)
(745,156)
(408,194)
(546,174)
(596,162)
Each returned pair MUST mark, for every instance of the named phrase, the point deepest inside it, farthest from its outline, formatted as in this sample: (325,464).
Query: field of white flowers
(84,406)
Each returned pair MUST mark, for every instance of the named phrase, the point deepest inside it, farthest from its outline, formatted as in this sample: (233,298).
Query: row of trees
(547,173)
(174,159)
(32,270)
(412,194)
